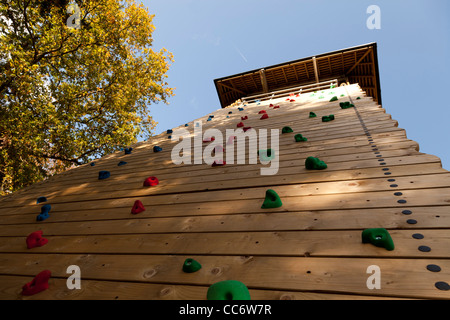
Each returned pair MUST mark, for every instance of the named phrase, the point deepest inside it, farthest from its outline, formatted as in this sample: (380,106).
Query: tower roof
(352,65)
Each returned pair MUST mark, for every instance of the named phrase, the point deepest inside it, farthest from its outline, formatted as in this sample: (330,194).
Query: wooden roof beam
(234,89)
(262,74)
(360,59)
(316,72)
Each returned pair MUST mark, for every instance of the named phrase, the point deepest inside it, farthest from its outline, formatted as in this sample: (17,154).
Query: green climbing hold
(379,237)
(190,265)
(266,155)
(228,290)
(272,200)
(312,115)
(287,130)
(333,99)
(346,105)
(342,95)
(298,138)
(358,98)
(313,163)
(328,118)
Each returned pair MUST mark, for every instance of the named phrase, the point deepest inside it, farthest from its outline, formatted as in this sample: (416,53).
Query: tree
(75,83)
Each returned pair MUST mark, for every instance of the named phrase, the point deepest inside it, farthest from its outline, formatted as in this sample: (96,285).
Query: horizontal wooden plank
(280,243)
(52,194)
(435,217)
(399,277)
(113,290)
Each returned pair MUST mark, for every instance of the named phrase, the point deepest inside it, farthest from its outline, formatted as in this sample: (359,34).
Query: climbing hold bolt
(272,200)
(228,290)
(379,237)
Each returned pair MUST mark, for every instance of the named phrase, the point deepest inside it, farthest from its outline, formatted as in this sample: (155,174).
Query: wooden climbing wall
(310,248)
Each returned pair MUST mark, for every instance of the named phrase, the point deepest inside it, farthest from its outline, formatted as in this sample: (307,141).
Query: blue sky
(214,38)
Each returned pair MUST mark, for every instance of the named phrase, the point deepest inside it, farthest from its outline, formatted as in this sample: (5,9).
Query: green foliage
(67,94)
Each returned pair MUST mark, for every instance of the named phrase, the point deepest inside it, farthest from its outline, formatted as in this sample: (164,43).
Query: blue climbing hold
(128,150)
(169,131)
(241,109)
(209,119)
(169,137)
(197,124)
(230,112)
(103,175)
(157,149)
(92,164)
(45,209)
(186,125)
(41,199)
(121,163)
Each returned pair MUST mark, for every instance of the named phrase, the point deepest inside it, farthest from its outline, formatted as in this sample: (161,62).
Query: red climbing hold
(151,181)
(244,118)
(264,116)
(209,139)
(218,149)
(231,139)
(292,100)
(262,111)
(138,207)
(240,124)
(246,129)
(270,105)
(276,107)
(35,239)
(218,163)
(38,284)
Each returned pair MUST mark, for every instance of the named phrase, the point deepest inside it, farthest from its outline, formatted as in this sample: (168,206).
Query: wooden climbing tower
(309,248)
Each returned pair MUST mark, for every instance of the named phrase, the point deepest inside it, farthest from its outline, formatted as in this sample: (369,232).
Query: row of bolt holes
(431,267)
